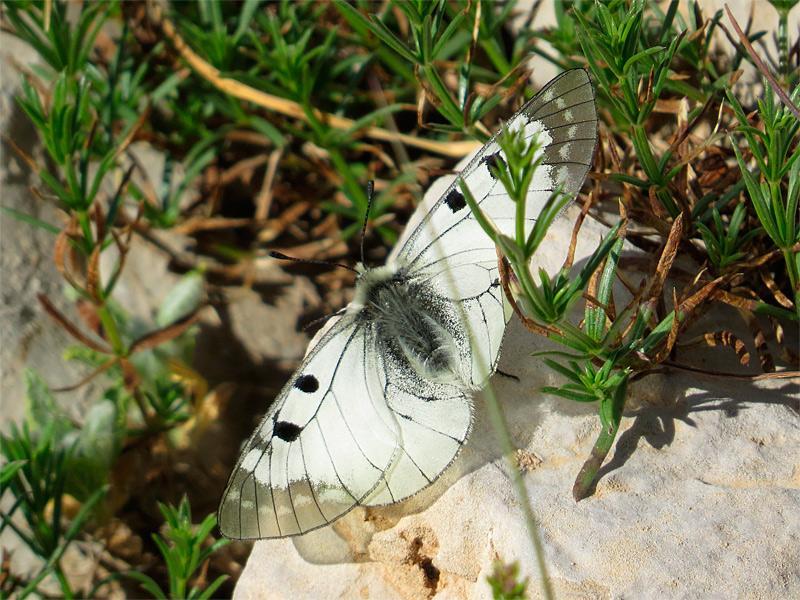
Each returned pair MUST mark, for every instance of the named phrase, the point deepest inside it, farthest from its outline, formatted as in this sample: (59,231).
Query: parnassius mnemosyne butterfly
(382,404)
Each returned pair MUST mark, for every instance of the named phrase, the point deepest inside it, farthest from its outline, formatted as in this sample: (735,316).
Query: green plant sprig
(726,244)
(631,78)
(184,548)
(436,31)
(63,43)
(774,185)
(505,582)
(37,477)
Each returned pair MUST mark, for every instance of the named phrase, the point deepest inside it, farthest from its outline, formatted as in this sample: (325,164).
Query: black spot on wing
(494,161)
(286,431)
(455,200)
(307,384)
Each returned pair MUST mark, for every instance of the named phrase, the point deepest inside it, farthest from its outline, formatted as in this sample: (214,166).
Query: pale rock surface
(698,498)
(27,335)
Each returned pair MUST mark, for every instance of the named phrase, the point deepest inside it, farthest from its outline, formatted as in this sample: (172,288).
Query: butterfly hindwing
(352,427)
(433,420)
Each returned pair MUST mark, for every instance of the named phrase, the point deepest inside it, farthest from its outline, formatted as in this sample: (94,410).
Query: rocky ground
(699,497)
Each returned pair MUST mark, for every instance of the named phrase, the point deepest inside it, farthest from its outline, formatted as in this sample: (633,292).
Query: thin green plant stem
(500,427)
(794,277)
(86,228)
(53,561)
(650,166)
(17,531)
(602,446)
(523,274)
(501,430)
(448,106)
(643,151)
(495,55)
(148,420)
(63,582)
(788,256)
(110,327)
(519,219)
(526,282)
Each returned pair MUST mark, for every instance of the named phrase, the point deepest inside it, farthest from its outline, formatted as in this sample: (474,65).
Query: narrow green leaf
(148,583)
(390,39)
(30,220)
(182,300)
(212,588)
(9,470)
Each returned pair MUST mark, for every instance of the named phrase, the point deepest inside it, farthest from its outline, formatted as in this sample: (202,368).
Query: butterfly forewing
(564,117)
(322,448)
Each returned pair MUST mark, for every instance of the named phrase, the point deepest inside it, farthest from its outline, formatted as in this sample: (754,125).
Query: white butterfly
(382,404)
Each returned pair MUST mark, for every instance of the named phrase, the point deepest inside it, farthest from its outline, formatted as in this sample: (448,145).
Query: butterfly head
(369,279)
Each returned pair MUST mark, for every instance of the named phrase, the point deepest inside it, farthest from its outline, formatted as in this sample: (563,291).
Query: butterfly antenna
(309,261)
(323,319)
(370,196)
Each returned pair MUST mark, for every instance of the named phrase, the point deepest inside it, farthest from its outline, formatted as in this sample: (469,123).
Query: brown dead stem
(196,224)
(666,259)
(779,296)
(101,369)
(163,335)
(243,169)
(317,249)
(26,158)
(776,87)
(275,227)
(723,338)
(70,327)
(125,143)
(62,249)
(573,242)
(662,354)
(765,359)
(264,197)
(93,284)
(739,376)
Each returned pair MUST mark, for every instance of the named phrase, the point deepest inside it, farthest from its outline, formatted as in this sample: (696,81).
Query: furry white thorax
(403,314)
(368,278)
